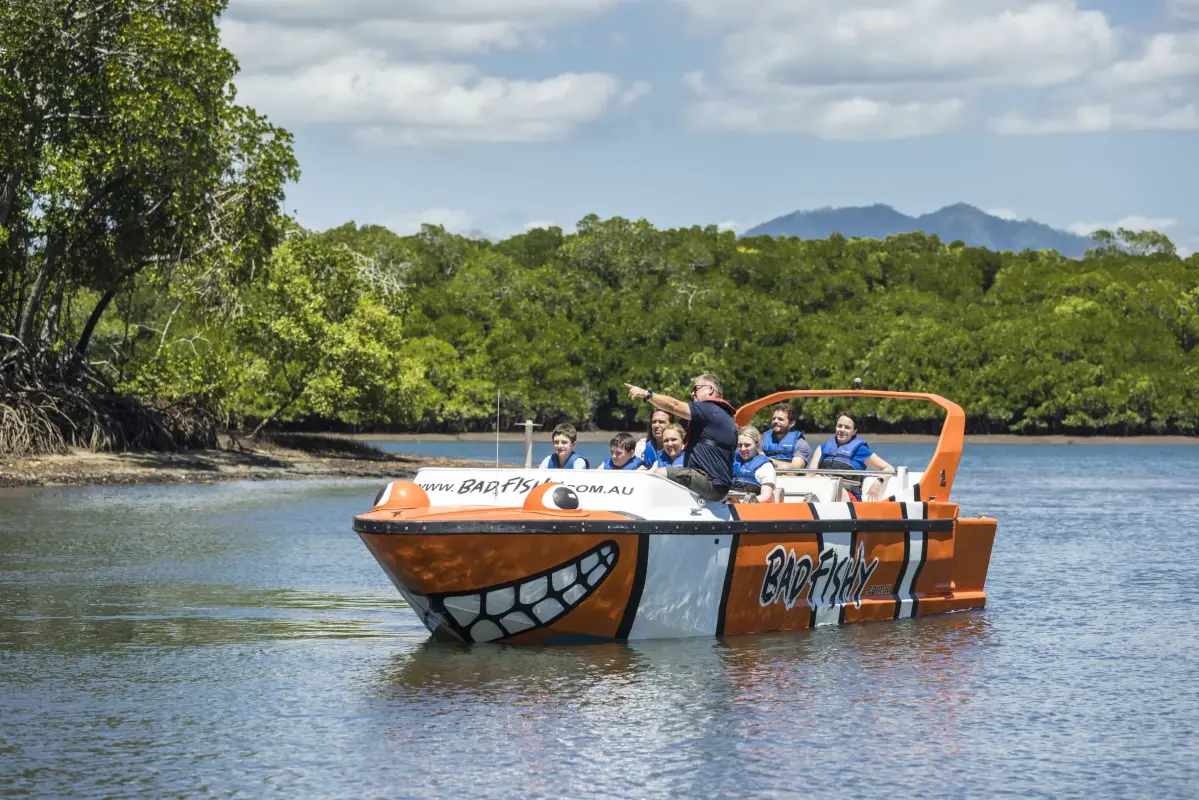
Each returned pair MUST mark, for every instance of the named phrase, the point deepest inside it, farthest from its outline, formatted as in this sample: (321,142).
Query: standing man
(711,436)
(784,442)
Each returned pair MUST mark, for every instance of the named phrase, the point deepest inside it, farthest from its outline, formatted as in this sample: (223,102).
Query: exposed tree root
(52,420)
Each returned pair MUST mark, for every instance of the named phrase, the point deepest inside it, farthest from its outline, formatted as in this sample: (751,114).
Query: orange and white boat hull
(577,558)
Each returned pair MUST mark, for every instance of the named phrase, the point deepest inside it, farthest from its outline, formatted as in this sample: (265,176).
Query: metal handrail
(849,473)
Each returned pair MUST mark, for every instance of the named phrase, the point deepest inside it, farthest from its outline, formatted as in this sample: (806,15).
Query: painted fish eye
(565,498)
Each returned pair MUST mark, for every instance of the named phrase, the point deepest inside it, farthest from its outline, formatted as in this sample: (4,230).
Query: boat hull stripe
(630,609)
(914,551)
(728,577)
(656,527)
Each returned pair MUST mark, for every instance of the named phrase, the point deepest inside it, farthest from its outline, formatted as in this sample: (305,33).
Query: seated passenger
(753,472)
(672,454)
(564,455)
(784,442)
(845,451)
(623,453)
(649,447)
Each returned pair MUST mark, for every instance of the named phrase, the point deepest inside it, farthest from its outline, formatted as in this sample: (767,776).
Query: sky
(495,116)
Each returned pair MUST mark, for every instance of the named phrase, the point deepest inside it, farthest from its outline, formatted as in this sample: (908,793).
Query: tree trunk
(8,193)
(34,301)
(85,338)
(294,397)
(50,323)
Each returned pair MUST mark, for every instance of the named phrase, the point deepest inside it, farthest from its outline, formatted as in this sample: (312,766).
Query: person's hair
(852,418)
(649,425)
(624,441)
(753,433)
(712,379)
(567,430)
(787,409)
(674,426)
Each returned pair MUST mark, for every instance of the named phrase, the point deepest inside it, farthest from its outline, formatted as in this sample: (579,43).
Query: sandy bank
(83,467)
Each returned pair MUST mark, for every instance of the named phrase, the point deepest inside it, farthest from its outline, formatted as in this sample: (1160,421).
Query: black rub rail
(705,528)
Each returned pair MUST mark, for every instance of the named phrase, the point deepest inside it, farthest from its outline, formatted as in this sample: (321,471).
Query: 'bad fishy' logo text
(832,580)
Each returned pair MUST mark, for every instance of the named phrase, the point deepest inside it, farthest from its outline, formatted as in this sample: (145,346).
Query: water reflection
(181,641)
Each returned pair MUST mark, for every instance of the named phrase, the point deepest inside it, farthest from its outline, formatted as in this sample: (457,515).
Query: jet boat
(540,556)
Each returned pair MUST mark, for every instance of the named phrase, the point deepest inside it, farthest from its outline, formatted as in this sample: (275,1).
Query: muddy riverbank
(81,467)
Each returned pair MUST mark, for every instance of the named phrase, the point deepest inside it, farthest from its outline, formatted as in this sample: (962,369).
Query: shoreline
(81,467)
(542,438)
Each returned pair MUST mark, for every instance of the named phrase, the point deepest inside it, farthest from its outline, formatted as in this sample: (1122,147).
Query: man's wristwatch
(648,394)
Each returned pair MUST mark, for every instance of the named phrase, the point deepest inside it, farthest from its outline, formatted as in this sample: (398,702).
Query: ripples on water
(238,640)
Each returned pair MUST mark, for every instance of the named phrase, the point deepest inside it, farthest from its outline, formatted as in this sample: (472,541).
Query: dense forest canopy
(147,265)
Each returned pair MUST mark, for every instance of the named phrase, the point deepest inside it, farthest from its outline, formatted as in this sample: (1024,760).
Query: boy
(564,455)
(623,448)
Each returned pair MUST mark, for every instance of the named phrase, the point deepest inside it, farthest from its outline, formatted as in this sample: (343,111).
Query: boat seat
(809,488)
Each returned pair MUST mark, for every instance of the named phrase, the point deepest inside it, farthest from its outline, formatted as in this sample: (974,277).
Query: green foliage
(319,341)
(1027,342)
(125,163)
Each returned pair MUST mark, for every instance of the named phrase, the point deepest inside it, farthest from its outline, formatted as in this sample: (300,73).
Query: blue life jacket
(743,471)
(843,457)
(650,453)
(783,449)
(634,462)
(570,462)
(664,460)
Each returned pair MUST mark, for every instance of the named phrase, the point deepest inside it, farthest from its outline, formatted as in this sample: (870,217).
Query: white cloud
(635,92)
(865,41)
(869,69)
(886,69)
(1003,213)
(380,68)
(452,219)
(326,12)
(1168,57)
(1184,10)
(424,103)
(824,114)
(1132,223)
(1099,119)
(731,225)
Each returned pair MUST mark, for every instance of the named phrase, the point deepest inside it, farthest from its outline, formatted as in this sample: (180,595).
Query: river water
(237,640)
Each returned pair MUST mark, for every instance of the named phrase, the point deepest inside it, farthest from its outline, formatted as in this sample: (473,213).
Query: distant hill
(959,221)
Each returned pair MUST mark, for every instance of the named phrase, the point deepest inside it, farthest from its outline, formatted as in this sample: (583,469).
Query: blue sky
(497,115)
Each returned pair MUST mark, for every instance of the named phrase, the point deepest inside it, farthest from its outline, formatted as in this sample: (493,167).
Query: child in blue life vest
(623,449)
(845,450)
(564,455)
(753,471)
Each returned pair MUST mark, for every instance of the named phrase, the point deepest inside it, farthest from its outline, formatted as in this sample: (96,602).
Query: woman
(845,450)
(672,454)
(649,447)
(753,472)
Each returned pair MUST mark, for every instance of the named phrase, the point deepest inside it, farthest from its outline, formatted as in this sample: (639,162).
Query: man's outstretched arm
(664,402)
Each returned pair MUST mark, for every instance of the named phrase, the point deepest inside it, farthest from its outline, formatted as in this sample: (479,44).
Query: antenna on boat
(497,427)
(528,425)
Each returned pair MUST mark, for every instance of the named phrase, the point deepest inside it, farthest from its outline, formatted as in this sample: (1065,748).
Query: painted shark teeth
(535,601)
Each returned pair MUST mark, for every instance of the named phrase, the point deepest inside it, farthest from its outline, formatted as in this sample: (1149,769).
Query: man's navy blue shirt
(712,421)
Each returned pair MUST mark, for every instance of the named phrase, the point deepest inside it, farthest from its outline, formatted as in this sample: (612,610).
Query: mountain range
(960,221)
